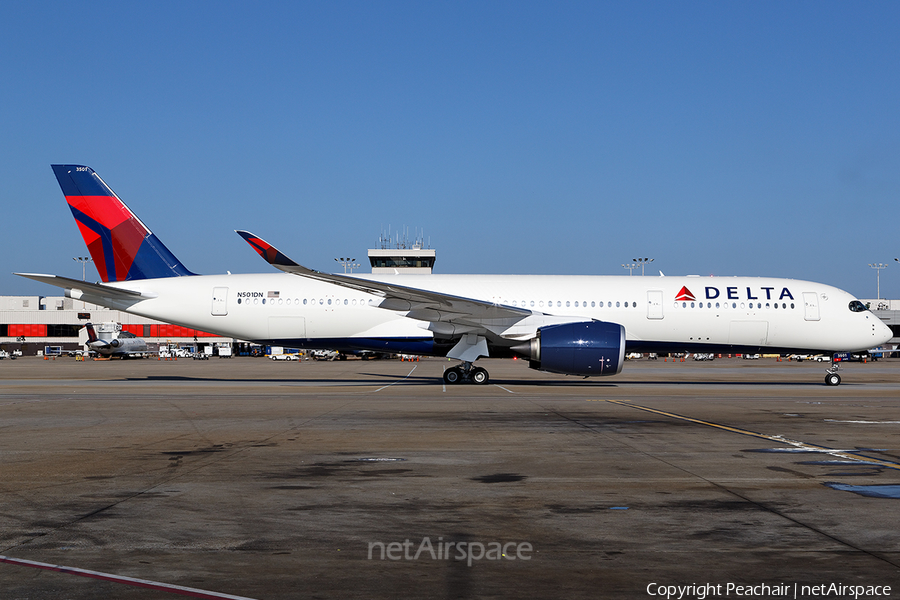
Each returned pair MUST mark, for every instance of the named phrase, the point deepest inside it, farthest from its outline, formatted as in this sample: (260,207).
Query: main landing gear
(832,377)
(466,373)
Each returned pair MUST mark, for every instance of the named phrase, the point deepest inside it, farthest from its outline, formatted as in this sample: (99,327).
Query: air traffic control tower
(396,255)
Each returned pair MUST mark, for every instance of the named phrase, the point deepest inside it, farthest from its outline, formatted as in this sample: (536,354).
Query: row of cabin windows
(372,302)
(306,302)
(523,303)
(784,305)
(559,304)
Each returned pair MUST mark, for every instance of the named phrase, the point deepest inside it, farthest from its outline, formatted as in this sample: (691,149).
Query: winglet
(270,253)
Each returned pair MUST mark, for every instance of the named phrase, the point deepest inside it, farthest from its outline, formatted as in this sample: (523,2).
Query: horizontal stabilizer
(93,289)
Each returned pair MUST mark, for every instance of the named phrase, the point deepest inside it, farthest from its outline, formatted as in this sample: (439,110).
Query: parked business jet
(576,325)
(112,341)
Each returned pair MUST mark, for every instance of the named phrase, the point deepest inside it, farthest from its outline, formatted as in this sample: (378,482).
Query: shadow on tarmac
(369,379)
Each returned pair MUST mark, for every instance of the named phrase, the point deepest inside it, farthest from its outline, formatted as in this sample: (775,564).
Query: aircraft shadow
(369,379)
(728,383)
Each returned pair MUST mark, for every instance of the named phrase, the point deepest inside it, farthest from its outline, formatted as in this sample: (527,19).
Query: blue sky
(720,138)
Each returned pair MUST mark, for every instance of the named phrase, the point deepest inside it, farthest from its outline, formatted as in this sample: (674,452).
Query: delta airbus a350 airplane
(575,325)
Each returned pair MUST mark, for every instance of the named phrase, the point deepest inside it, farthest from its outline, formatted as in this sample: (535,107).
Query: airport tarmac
(275,480)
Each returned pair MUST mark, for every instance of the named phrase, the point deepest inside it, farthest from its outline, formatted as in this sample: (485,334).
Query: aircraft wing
(446,313)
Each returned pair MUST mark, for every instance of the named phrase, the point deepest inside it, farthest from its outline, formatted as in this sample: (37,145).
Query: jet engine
(588,348)
(103,344)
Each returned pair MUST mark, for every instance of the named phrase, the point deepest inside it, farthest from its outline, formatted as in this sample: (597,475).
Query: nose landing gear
(832,377)
(466,373)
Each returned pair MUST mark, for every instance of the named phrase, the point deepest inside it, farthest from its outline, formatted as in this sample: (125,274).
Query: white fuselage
(658,313)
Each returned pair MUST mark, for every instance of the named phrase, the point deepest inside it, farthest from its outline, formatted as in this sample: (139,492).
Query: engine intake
(589,348)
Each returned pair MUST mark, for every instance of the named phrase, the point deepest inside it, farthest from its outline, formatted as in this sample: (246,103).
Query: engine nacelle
(589,348)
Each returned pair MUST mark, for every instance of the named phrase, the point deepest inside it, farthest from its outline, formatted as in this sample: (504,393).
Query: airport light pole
(642,262)
(878,267)
(631,267)
(82,260)
(348,263)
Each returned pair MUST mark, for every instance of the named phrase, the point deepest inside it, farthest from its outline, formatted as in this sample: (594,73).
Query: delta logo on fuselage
(732,293)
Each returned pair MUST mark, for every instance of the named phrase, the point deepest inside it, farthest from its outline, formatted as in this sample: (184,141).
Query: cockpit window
(857,306)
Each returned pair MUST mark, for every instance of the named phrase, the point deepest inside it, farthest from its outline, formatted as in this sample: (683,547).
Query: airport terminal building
(889,312)
(31,323)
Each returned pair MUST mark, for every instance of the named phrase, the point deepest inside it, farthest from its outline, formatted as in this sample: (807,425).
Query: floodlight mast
(643,262)
(348,263)
(878,267)
(82,260)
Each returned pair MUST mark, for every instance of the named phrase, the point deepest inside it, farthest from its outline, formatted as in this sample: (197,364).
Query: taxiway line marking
(774,438)
(396,382)
(864,422)
(144,583)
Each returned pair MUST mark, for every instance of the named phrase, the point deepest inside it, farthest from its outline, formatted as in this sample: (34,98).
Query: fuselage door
(220,301)
(810,306)
(654,304)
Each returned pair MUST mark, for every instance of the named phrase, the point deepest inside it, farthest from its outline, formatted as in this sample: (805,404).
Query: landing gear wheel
(479,376)
(832,379)
(452,375)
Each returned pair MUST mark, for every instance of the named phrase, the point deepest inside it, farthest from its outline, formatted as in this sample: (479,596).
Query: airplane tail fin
(94,341)
(122,247)
(92,335)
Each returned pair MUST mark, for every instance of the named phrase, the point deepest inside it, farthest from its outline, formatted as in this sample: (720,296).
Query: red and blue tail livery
(122,247)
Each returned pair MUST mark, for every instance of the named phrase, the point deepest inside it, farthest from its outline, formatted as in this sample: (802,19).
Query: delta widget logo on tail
(685,294)
(122,247)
